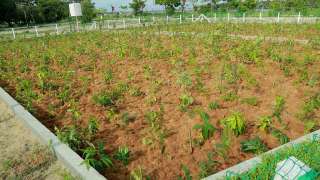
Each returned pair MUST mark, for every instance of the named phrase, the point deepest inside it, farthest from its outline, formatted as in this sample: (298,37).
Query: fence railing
(63,28)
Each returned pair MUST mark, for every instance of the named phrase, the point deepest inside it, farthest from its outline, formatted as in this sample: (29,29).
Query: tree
(170,5)
(7,11)
(137,6)
(88,10)
(52,10)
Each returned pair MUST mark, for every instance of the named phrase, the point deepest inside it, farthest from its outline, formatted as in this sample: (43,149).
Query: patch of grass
(253,145)
(308,152)
(253,101)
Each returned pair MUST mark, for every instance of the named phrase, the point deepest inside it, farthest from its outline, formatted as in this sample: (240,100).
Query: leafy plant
(278,107)
(230,96)
(70,136)
(186,173)
(185,102)
(136,174)
(108,76)
(107,98)
(309,107)
(283,138)
(214,105)
(207,129)
(206,167)
(93,126)
(96,157)
(253,101)
(185,80)
(123,155)
(264,122)
(235,122)
(253,145)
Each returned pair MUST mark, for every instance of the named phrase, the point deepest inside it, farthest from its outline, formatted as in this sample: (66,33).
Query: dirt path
(21,155)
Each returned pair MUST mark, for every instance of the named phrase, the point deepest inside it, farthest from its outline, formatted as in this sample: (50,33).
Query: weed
(185,102)
(206,167)
(230,96)
(93,126)
(207,129)
(107,98)
(309,107)
(253,145)
(253,101)
(136,174)
(186,173)
(108,76)
(283,138)
(278,107)
(214,105)
(70,136)
(185,80)
(123,155)
(235,122)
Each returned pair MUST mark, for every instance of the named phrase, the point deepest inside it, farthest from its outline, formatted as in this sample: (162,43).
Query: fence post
(13,33)
(124,23)
(153,19)
(192,18)
(244,17)
(228,17)
(299,16)
(215,17)
(278,20)
(260,16)
(57,30)
(180,19)
(108,24)
(167,19)
(95,24)
(35,28)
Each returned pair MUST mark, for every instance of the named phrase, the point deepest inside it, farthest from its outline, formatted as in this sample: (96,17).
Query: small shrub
(235,122)
(283,138)
(278,107)
(70,136)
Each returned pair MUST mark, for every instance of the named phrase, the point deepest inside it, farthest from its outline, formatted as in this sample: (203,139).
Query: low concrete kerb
(64,153)
(251,163)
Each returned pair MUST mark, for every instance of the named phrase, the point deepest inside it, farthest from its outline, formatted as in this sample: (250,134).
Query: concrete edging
(251,163)
(64,153)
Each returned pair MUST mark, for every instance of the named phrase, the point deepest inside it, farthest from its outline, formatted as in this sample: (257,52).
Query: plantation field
(142,102)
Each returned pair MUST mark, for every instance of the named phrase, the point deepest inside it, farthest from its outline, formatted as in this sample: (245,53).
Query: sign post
(75,11)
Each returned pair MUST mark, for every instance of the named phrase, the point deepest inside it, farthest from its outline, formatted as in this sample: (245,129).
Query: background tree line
(25,12)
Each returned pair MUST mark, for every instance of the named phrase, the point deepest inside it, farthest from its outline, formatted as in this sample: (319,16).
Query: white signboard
(75,9)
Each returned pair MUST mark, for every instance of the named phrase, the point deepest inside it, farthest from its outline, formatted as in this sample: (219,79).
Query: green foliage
(309,107)
(186,173)
(236,122)
(70,136)
(25,94)
(108,98)
(249,52)
(207,129)
(169,5)
(136,174)
(253,145)
(283,138)
(96,157)
(88,11)
(278,107)
(185,80)
(185,102)
(123,155)
(93,126)
(214,105)
(108,76)
(253,101)
(206,167)
(265,122)
(230,96)
(137,6)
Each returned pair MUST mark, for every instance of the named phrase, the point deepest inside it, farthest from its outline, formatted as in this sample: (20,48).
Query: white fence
(63,28)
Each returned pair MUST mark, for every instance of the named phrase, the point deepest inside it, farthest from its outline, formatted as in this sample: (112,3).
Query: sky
(106,4)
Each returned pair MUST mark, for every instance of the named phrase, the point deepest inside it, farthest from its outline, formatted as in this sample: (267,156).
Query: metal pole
(77,23)
(260,16)
(124,23)
(278,20)
(13,33)
(153,19)
(180,19)
(57,30)
(215,16)
(139,20)
(299,16)
(35,28)
(228,17)
(192,18)
(167,19)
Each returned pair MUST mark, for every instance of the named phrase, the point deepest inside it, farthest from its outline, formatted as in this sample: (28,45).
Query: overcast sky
(106,4)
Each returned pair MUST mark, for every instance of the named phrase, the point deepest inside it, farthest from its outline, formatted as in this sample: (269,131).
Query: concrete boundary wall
(251,163)
(66,155)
